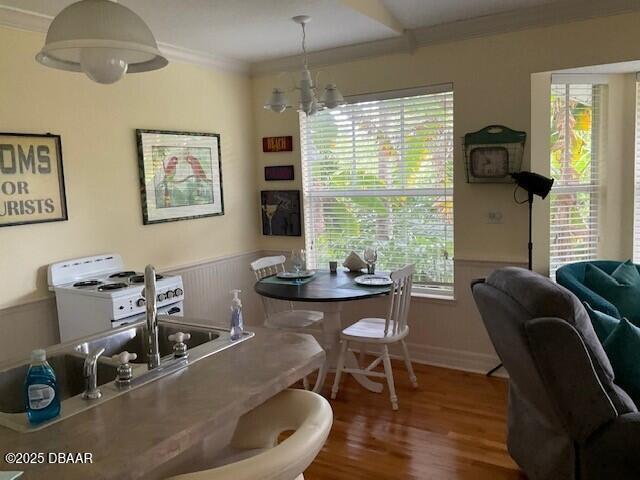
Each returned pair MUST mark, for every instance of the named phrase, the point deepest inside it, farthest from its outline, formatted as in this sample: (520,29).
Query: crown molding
(208,60)
(511,21)
(35,22)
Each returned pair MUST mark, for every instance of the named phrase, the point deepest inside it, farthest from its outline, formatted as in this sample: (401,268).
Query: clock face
(489,162)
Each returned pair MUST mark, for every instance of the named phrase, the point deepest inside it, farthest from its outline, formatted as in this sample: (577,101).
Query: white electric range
(94,294)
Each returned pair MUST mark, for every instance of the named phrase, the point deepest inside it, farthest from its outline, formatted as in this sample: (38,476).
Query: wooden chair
(257,434)
(382,331)
(276,316)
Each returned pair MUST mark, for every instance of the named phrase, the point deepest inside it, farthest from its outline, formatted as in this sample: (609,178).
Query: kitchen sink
(67,361)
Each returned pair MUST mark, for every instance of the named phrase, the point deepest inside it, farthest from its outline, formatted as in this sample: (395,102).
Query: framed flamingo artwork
(180,175)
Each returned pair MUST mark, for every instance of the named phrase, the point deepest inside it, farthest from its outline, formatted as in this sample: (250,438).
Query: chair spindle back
(399,300)
(265,267)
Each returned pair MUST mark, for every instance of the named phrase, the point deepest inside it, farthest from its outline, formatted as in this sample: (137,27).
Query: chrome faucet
(90,371)
(153,350)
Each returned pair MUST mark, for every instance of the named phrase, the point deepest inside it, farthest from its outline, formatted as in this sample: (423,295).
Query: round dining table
(328,292)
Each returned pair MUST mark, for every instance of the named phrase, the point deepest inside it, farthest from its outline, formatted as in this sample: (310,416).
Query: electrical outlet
(494,216)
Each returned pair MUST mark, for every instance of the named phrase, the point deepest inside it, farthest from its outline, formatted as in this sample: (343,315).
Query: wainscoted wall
(449,333)
(207,287)
(28,326)
(207,284)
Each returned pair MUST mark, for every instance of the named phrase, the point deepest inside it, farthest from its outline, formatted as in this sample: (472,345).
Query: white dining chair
(279,313)
(382,332)
(306,413)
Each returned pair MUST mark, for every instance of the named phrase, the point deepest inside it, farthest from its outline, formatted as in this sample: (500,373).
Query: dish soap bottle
(41,390)
(237,322)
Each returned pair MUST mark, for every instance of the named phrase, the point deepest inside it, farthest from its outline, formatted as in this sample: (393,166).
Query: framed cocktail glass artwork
(281,212)
(180,175)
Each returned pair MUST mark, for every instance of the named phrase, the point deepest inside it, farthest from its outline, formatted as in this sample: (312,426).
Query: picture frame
(32,187)
(180,175)
(281,213)
(283,143)
(275,173)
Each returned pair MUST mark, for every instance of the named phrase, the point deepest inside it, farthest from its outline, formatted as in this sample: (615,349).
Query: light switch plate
(494,217)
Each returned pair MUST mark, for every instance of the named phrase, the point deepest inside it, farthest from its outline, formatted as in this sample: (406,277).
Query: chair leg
(363,347)
(407,363)
(389,374)
(340,367)
(305,383)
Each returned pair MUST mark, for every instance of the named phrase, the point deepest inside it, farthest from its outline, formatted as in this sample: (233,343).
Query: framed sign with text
(277,144)
(278,172)
(31,179)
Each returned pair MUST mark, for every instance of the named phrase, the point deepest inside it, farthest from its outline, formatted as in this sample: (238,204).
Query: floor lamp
(533,184)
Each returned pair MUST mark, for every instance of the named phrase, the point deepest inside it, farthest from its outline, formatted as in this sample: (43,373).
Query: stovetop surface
(118,282)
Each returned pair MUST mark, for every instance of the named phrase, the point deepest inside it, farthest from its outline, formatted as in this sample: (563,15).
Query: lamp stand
(530,247)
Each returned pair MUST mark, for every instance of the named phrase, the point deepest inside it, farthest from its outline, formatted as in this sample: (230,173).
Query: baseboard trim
(456,359)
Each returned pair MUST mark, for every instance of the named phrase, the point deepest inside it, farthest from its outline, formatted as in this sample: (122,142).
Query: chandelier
(309,102)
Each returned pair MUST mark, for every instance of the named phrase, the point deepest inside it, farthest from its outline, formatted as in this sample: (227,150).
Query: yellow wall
(492,85)
(97,124)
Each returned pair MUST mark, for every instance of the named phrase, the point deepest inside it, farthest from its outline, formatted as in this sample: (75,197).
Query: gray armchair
(567,419)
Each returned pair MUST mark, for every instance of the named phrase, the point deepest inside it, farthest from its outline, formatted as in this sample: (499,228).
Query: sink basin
(133,340)
(67,360)
(68,368)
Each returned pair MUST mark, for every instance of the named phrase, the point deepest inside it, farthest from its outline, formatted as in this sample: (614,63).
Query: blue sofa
(571,276)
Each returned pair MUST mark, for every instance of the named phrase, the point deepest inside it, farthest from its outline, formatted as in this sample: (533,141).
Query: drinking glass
(371,256)
(298,261)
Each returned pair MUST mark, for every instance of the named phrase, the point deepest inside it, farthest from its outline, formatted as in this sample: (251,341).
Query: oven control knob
(140,302)
(169,294)
(178,292)
(160,297)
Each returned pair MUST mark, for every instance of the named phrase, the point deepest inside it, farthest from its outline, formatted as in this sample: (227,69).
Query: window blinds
(379,173)
(576,135)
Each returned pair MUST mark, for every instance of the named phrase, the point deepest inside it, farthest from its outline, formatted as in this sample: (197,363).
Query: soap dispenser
(41,390)
(237,322)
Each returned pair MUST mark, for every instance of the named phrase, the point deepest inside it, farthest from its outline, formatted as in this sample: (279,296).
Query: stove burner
(125,274)
(87,283)
(140,278)
(112,286)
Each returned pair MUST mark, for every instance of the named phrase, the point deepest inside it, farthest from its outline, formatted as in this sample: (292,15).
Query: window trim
(402,93)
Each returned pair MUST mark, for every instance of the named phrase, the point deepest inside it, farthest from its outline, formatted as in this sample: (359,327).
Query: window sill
(434,298)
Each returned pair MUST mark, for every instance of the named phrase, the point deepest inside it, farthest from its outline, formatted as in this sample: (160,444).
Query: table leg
(331,328)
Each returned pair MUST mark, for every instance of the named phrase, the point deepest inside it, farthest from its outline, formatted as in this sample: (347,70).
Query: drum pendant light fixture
(101,38)
(307,88)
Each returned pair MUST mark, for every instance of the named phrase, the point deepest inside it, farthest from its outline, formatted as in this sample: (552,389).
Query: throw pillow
(623,349)
(624,296)
(627,274)
(602,323)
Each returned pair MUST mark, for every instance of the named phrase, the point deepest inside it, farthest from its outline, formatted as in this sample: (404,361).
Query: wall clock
(493,153)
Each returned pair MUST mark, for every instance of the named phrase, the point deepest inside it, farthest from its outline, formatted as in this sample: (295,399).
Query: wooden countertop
(130,435)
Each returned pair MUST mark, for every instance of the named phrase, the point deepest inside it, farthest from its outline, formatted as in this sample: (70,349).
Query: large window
(576,131)
(379,172)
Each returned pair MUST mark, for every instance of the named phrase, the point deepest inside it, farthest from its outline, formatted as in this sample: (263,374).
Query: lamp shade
(277,102)
(331,97)
(533,183)
(101,38)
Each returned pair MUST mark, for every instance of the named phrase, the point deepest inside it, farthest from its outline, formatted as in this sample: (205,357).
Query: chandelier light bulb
(331,97)
(277,102)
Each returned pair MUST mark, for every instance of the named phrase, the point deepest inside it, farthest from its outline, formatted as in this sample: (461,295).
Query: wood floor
(451,427)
